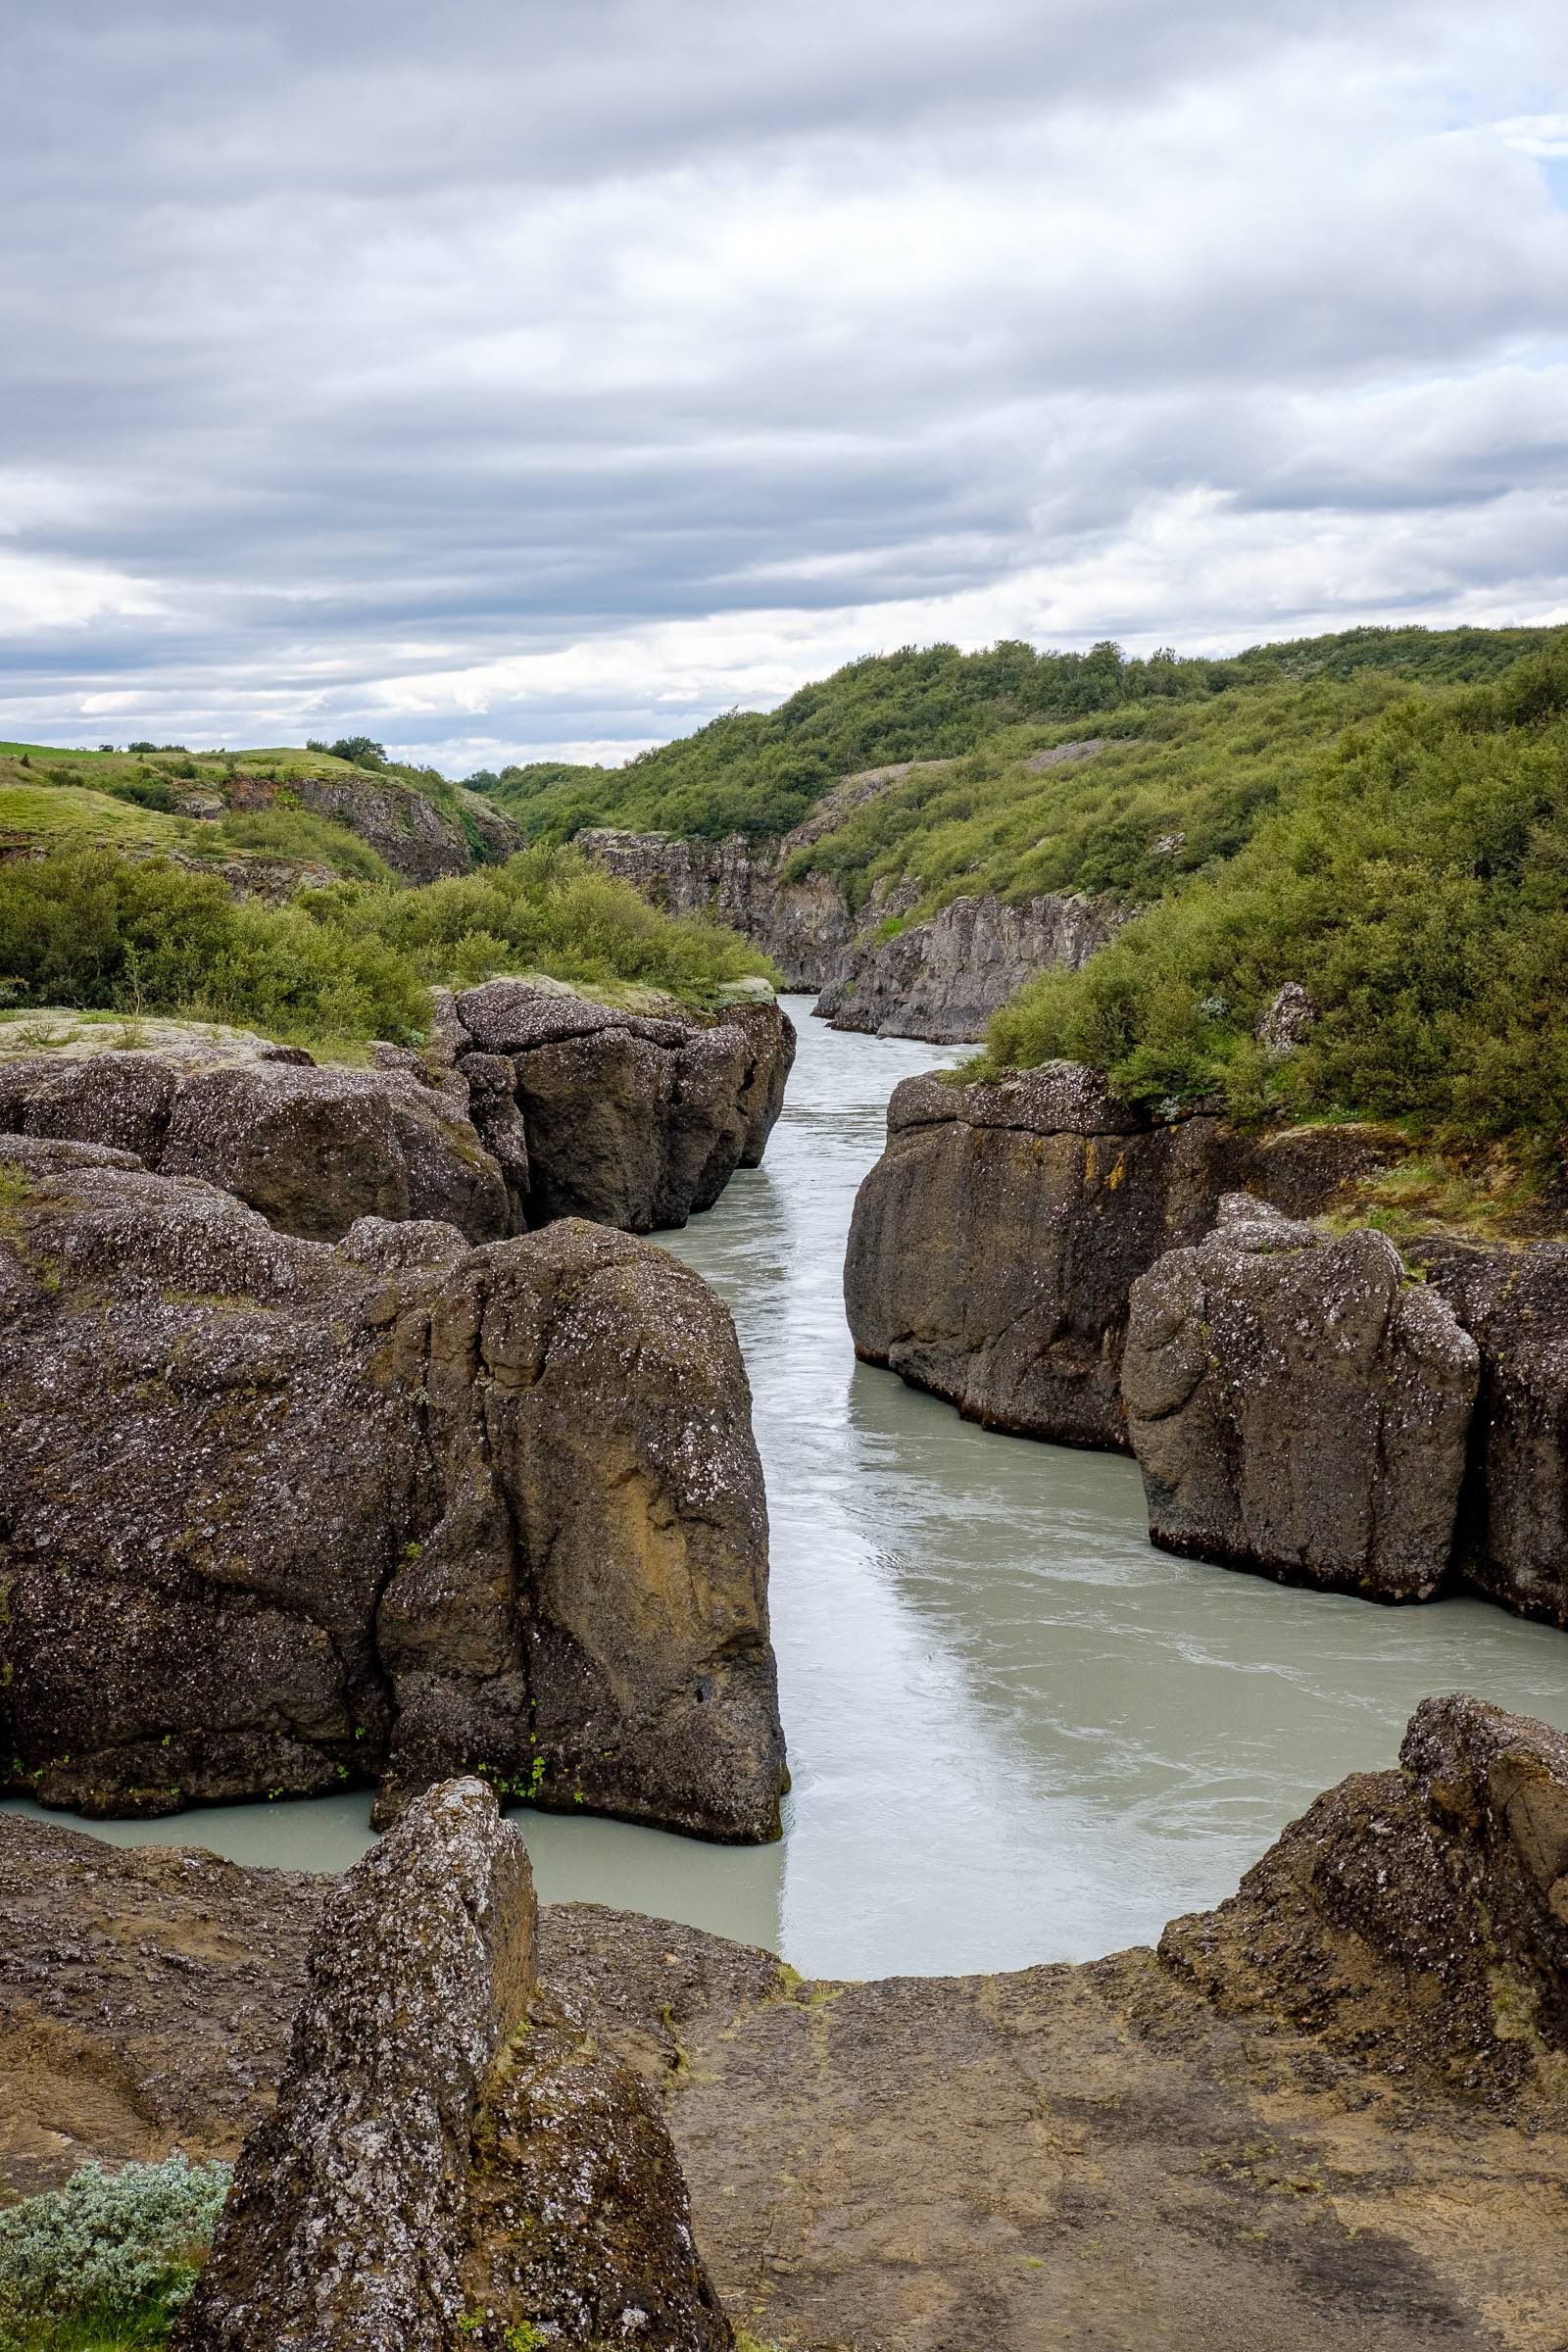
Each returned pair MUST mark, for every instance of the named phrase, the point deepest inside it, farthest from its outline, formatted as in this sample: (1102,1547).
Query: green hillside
(759,772)
(1412,877)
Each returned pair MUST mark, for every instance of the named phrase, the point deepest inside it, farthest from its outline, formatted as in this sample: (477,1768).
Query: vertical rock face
(802,925)
(994,1244)
(1513,1534)
(383,1510)
(1299,1406)
(945,978)
(446,2160)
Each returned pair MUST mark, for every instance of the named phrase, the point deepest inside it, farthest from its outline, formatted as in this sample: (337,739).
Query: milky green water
(1016,1732)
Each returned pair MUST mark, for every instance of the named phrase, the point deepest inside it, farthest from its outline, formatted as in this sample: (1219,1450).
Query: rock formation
(280,1515)
(417,837)
(630,1120)
(447,2161)
(587,1112)
(995,1242)
(1299,1405)
(945,978)
(942,979)
(1327,2116)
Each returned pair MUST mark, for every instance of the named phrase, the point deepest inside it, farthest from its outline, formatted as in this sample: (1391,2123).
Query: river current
(1016,1732)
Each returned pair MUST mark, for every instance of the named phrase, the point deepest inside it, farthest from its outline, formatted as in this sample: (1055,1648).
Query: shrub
(110,2255)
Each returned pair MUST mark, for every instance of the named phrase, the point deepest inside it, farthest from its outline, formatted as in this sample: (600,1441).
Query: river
(1016,1733)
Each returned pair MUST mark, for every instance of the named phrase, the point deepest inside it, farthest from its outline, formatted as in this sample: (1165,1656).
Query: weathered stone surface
(1328,2118)
(1297,1406)
(390,1509)
(445,2158)
(945,978)
(994,1243)
(584,1110)
(1513,1520)
(342,2228)
(1417,1918)
(312,1149)
(633,1122)
(942,979)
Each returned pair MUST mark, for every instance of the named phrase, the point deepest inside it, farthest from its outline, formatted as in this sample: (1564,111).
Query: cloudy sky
(519,377)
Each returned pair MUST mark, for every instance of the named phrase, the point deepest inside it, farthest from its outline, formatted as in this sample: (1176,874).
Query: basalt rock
(1328,2117)
(312,1149)
(943,979)
(634,1121)
(416,838)
(994,1243)
(448,2163)
(1300,1407)
(1513,1520)
(279,1515)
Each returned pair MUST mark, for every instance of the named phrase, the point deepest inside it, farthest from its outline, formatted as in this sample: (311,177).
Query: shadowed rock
(446,2159)
(388,1509)
(1299,1406)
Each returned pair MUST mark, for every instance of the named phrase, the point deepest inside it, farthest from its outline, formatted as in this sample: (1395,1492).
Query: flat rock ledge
(282,1516)
(529,1103)
(1329,2116)
(448,2163)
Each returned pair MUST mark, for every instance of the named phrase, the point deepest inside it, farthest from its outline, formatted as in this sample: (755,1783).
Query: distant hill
(760,773)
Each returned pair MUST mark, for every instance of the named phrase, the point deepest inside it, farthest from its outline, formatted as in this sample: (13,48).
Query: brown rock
(390,1509)
(444,2160)
(1299,1406)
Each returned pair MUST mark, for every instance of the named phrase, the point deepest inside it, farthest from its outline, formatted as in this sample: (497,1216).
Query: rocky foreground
(1332,2113)
(282,1515)
(1303,1400)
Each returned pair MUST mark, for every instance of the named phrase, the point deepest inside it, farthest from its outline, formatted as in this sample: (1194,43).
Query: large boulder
(447,2162)
(1299,1406)
(994,1243)
(634,1120)
(312,1149)
(280,1515)
(1416,1919)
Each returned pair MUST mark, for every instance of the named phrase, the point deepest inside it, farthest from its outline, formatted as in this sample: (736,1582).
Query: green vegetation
(758,772)
(108,2260)
(333,967)
(1413,878)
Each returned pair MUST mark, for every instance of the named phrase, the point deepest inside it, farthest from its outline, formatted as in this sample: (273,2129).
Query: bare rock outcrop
(1328,2116)
(417,839)
(1300,1407)
(633,1120)
(994,1243)
(279,1515)
(312,1149)
(943,979)
(586,1110)
(448,2161)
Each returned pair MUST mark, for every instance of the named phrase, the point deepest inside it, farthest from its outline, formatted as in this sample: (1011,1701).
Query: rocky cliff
(530,1103)
(876,971)
(1327,2116)
(280,1516)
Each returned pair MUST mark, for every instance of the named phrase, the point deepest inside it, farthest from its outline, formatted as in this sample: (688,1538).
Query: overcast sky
(525,378)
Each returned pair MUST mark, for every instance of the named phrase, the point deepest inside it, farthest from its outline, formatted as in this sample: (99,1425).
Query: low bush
(109,2259)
